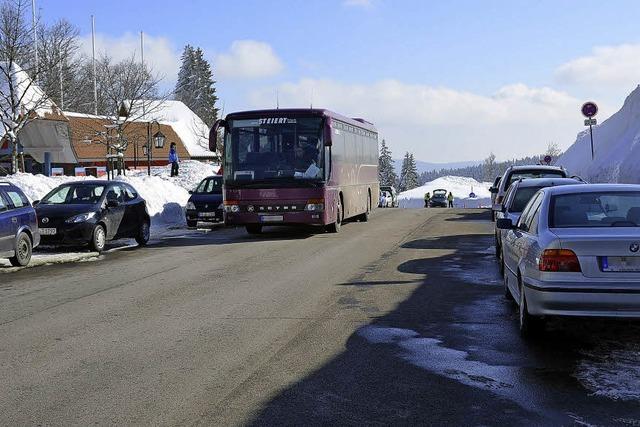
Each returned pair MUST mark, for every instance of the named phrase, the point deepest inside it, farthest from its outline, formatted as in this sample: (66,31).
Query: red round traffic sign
(589,109)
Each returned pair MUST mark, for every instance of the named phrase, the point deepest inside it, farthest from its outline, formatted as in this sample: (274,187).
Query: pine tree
(195,86)
(386,173)
(409,178)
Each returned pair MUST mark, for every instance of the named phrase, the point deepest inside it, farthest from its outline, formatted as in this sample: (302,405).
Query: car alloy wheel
(23,251)
(144,233)
(99,239)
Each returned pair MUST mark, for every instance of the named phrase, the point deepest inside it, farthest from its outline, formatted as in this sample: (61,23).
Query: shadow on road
(450,354)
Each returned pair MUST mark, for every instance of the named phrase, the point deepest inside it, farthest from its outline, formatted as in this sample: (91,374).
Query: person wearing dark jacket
(173,159)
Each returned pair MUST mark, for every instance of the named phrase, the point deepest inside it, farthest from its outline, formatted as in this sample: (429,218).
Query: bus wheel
(254,228)
(365,216)
(335,227)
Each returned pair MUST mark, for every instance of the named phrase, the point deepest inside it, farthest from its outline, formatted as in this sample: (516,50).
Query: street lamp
(158,141)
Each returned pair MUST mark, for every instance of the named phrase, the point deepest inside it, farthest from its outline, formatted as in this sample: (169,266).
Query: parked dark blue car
(205,203)
(18,225)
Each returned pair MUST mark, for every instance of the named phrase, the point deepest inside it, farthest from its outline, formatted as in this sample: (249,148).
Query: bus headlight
(315,206)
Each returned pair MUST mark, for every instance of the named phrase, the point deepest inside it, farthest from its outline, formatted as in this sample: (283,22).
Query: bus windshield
(274,148)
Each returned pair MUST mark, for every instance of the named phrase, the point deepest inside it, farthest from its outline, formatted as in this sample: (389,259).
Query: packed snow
(460,186)
(616,146)
(166,197)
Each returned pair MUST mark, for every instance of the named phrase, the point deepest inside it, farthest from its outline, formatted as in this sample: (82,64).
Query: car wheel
(192,224)
(99,239)
(23,252)
(144,233)
(254,228)
(335,227)
(529,325)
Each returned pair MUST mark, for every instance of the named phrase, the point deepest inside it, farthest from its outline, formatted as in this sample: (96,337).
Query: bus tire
(254,228)
(335,227)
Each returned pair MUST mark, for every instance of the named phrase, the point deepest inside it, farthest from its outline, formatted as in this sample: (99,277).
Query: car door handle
(14,219)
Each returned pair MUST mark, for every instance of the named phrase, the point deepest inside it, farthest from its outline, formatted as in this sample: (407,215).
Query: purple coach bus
(297,166)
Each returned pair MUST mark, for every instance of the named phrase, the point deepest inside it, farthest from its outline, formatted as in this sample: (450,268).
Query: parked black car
(93,212)
(205,203)
(18,225)
(439,198)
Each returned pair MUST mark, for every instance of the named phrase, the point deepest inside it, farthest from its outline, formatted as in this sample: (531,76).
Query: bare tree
(553,150)
(21,100)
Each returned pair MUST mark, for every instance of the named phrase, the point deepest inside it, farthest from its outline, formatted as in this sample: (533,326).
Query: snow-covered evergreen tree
(409,178)
(195,86)
(386,173)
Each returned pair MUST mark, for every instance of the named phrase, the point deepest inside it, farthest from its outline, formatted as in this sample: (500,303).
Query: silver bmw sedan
(574,251)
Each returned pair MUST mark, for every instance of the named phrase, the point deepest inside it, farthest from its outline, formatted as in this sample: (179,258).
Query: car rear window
(535,173)
(18,200)
(522,197)
(595,209)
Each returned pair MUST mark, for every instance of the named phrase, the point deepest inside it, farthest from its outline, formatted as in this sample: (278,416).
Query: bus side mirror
(328,133)
(213,134)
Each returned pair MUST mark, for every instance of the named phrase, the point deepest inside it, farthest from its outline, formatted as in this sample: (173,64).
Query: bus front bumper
(276,218)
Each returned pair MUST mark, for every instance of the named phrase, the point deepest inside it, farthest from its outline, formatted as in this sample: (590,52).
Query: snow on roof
(616,146)
(30,96)
(191,129)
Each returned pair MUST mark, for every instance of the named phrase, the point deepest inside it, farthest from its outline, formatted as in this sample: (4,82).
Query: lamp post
(158,141)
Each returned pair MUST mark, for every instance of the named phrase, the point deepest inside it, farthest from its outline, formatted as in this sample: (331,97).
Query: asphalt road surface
(400,320)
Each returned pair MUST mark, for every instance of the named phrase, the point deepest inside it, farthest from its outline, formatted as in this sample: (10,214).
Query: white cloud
(248,59)
(159,52)
(611,66)
(442,124)
(357,3)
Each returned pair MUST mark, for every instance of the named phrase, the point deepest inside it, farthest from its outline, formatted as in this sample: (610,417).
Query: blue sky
(467,77)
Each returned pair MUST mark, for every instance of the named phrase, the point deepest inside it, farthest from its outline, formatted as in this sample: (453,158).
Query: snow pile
(191,129)
(166,197)
(460,186)
(616,147)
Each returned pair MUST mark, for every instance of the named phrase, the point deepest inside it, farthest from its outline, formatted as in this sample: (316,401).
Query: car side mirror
(35,202)
(504,224)
(213,134)
(493,190)
(113,203)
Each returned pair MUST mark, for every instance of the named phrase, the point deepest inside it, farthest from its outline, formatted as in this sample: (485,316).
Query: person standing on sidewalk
(450,199)
(173,159)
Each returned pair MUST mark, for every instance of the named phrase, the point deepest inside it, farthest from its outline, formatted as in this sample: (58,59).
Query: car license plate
(271,218)
(621,263)
(206,214)
(48,231)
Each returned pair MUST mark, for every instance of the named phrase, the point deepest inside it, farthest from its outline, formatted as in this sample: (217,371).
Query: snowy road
(397,321)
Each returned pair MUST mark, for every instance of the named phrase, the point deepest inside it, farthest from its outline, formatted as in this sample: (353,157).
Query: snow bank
(460,186)
(166,197)
(616,147)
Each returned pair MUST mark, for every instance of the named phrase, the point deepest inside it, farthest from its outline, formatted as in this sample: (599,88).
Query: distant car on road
(439,199)
(93,212)
(575,251)
(514,173)
(394,203)
(517,197)
(18,225)
(205,203)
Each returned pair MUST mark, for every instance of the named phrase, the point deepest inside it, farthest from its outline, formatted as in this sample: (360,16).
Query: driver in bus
(306,157)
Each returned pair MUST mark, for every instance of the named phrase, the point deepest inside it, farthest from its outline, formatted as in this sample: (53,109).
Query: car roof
(591,188)
(545,182)
(92,182)
(535,167)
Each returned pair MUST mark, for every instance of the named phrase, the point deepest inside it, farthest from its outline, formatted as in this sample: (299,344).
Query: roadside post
(589,110)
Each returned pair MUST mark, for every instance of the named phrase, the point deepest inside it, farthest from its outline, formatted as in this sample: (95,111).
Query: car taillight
(561,260)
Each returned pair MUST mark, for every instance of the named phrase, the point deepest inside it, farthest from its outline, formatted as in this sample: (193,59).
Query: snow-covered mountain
(430,167)
(460,186)
(616,147)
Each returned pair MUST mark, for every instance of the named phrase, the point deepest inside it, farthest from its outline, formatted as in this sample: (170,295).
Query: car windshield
(535,173)
(522,197)
(274,148)
(84,194)
(605,209)
(209,186)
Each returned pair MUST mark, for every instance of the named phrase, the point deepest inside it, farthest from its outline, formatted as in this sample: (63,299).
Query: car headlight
(80,218)
(191,206)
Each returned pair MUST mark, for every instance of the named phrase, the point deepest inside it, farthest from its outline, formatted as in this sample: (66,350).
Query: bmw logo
(634,247)
(45,220)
